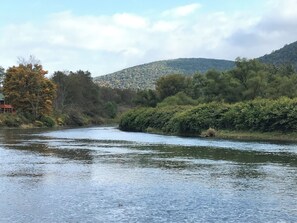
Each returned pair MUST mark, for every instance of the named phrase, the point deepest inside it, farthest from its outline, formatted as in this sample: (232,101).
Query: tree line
(253,96)
(65,98)
(250,79)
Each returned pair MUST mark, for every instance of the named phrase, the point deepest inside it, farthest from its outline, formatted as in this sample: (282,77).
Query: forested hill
(285,55)
(144,76)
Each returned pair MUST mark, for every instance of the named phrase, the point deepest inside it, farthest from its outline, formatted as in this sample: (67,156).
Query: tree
(147,98)
(28,90)
(170,85)
(61,80)
(2,76)
(78,92)
(112,109)
(252,76)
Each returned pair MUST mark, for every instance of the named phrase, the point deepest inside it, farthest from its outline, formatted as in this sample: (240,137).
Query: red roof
(6,106)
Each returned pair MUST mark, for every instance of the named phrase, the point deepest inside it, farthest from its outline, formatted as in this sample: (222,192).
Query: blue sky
(106,36)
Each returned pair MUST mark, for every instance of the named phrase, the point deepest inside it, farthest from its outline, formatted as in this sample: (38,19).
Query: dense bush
(195,119)
(12,120)
(260,115)
(180,98)
(75,118)
(143,118)
(48,121)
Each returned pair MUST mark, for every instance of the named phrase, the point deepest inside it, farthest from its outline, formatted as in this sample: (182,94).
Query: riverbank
(259,136)
(13,120)
(238,135)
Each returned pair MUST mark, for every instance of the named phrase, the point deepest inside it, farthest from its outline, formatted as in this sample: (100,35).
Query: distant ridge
(144,76)
(285,55)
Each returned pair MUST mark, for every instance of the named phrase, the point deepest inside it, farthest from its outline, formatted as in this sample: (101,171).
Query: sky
(106,36)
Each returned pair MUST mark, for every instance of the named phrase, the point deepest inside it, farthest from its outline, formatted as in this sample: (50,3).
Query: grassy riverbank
(259,136)
(238,135)
(14,120)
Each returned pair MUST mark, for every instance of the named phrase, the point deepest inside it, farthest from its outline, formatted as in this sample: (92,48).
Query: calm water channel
(104,175)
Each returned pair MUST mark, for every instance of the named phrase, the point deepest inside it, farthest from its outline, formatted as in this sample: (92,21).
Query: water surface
(104,175)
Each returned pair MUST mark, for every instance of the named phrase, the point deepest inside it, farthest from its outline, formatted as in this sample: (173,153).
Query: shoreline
(257,136)
(238,135)
(290,137)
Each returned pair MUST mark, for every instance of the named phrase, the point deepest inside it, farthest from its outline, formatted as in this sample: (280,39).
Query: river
(101,174)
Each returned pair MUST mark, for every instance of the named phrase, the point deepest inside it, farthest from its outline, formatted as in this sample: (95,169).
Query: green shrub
(179,99)
(111,109)
(258,115)
(12,120)
(75,118)
(48,121)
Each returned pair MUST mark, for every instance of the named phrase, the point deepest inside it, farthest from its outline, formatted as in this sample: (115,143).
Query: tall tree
(77,91)
(61,80)
(170,85)
(28,90)
(2,76)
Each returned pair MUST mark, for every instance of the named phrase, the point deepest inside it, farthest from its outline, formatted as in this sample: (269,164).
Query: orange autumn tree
(28,90)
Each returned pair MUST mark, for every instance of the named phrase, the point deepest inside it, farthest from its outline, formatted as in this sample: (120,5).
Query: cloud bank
(107,43)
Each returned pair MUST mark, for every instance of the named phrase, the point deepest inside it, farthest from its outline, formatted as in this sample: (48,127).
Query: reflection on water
(104,175)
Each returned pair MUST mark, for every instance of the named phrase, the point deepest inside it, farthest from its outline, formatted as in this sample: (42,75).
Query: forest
(66,98)
(253,96)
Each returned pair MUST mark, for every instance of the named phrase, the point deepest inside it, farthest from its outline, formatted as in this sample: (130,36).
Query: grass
(262,136)
(241,135)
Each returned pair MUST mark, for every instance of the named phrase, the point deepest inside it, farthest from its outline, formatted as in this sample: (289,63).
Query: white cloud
(130,21)
(182,10)
(285,9)
(104,44)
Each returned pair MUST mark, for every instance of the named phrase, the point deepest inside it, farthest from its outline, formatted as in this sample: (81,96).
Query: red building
(5,108)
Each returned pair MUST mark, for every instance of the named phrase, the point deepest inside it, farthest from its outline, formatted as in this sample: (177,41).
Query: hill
(285,55)
(144,76)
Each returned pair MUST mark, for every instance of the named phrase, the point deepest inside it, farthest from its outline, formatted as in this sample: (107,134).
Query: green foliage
(48,121)
(12,121)
(170,85)
(143,118)
(143,77)
(111,109)
(77,89)
(83,102)
(249,80)
(180,98)
(75,118)
(284,56)
(196,119)
(2,76)
(147,98)
(265,115)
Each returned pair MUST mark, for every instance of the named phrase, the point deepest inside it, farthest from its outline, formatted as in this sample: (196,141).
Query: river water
(101,174)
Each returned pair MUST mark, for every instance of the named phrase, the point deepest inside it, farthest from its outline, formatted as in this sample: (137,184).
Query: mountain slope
(285,55)
(144,76)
